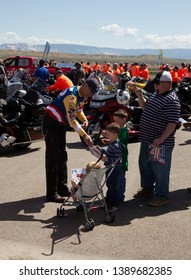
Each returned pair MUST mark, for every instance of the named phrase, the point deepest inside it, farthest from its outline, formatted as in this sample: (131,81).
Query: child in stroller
(76,183)
(88,194)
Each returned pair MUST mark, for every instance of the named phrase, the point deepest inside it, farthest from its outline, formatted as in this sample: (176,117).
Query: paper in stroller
(78,174)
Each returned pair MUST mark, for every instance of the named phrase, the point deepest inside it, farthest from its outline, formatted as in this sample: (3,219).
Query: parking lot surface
(30,228)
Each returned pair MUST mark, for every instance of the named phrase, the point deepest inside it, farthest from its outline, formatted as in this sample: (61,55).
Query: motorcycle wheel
(93,130)
(21,146)
(22,137)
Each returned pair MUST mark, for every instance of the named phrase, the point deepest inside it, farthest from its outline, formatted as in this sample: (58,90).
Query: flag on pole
(46,51)
(160,57)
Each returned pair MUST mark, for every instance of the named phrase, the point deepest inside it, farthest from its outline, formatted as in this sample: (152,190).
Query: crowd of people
(177,73)
(158,124)
(134,69)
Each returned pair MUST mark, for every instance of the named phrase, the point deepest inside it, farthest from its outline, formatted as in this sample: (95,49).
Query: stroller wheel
(92,223)
(60,212)
(109,218)
(80,208)
(89,225)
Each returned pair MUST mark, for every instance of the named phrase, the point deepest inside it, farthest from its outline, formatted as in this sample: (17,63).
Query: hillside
(151,60)
(178,53)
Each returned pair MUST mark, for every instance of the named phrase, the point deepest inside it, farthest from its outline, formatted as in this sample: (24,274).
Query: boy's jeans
(115,192)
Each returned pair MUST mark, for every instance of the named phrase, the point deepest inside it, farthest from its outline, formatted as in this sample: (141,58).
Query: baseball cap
(77,63)
(59,72)
(163,76)
(93,84)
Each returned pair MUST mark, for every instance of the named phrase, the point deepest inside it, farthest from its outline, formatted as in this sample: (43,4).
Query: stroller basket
(90,186)
(91,189)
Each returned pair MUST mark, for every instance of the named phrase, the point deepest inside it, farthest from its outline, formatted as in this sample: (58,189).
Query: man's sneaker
(65,193)
(57,199)
(111,208)
(144,192)
(159,202)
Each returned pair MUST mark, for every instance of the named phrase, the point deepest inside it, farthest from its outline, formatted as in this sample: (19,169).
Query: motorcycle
(23,82)
(111,97)
(21,117)
(183,92)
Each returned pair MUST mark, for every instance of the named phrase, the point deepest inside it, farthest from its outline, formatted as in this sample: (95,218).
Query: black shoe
(111,207)
(57,199)
(65,193)
(189,190)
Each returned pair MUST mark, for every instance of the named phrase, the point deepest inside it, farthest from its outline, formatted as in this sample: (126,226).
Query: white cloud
(119,30)
(145,41)
(12,38)
(168,42)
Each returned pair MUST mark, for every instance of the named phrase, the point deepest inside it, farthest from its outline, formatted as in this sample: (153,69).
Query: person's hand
(131,83)
(73,183)
(85,124)
(104,133)
(132,86)
(105,141)
(138,91)
(87,139)
(157,142)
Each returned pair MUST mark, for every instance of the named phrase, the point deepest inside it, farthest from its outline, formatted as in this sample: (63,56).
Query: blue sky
(102,23)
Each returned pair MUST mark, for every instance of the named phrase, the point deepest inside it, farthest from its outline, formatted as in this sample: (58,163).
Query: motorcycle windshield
(111,82)
(39,84)
(17,77)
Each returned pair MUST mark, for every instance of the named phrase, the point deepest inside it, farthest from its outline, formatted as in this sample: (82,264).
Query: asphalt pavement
(30,228)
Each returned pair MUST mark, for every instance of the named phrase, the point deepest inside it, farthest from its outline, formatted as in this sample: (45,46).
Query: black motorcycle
(21,118)
(183,91)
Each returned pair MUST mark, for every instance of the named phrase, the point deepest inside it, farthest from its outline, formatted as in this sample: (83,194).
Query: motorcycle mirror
(3,102)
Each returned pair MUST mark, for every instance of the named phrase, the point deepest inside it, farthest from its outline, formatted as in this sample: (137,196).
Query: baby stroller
(91,190)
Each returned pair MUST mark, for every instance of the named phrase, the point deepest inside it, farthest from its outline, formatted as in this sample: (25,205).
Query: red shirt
(61,83)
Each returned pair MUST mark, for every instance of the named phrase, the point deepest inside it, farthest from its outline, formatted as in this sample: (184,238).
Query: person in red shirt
(144,72)
(182,71)
(107,69)
(96,67)
(134,69)
(87,70)
(161,67)
(188,75)
(121,68)
(116,69)
(62,83)
(175,78)
(104,66)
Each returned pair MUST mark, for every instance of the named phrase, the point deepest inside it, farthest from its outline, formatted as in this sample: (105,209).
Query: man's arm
(169,129)
(70,106)
(141,99)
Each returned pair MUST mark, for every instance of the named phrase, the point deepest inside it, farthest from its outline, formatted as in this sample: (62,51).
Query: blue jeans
(153,173)
(115,183)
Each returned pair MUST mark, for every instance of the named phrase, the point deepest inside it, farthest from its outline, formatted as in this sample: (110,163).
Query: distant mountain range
(91,50)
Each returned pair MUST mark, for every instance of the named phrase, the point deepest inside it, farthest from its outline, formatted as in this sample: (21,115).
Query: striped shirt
(160,110)
(114,152)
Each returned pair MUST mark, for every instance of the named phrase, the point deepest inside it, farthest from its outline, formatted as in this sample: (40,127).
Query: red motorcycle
(108,100)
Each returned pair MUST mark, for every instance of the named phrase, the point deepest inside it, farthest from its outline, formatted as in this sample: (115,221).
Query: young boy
(120,118)
(114,154)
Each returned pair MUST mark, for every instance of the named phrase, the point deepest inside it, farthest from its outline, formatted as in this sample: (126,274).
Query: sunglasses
(159,82)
